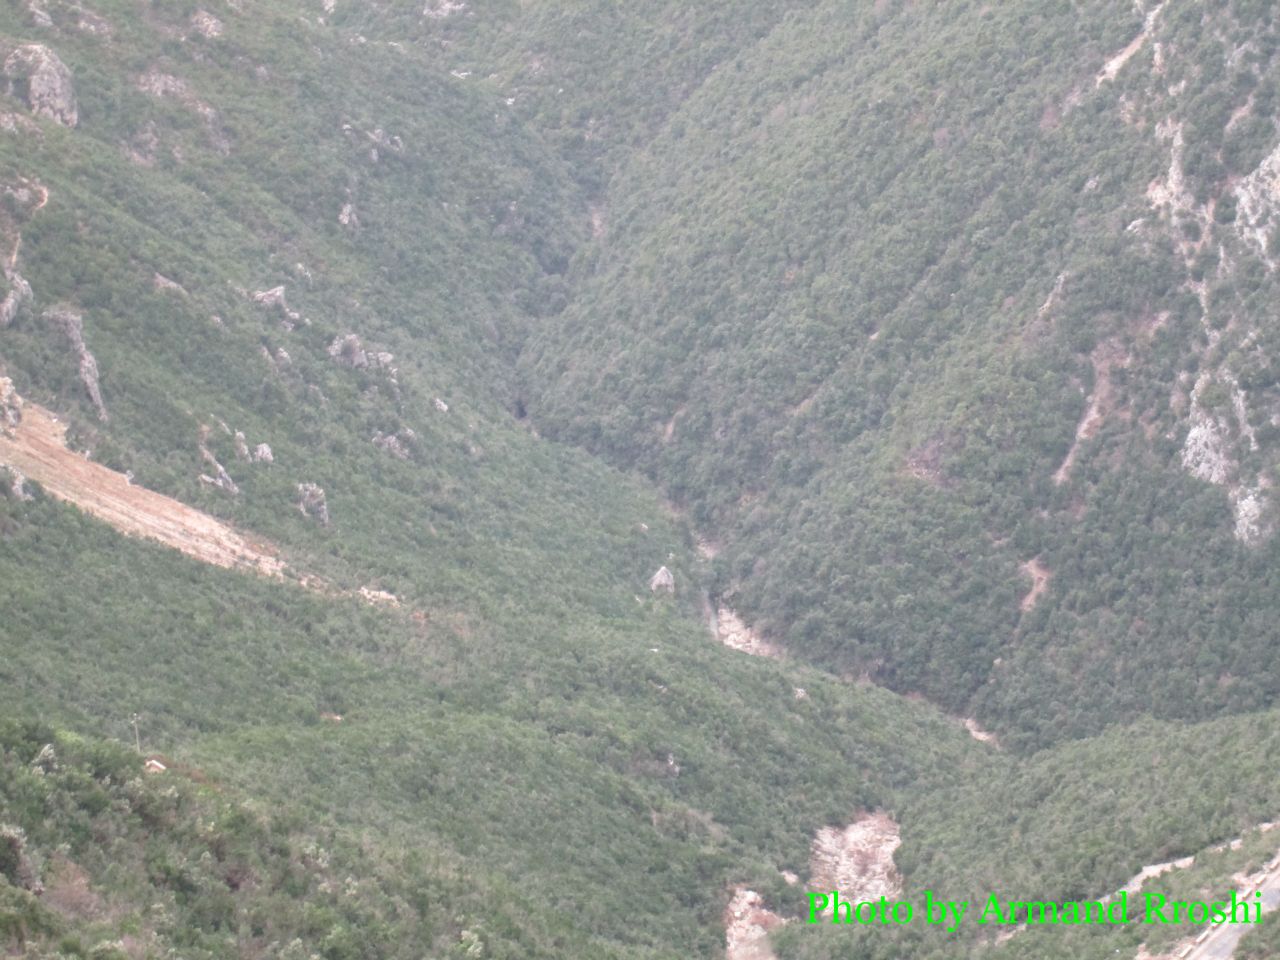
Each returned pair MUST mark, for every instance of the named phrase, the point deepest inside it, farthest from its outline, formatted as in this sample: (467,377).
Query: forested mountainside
(908,301)
(927,345)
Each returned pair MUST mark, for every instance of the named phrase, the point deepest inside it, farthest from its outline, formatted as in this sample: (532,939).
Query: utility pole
(137,740)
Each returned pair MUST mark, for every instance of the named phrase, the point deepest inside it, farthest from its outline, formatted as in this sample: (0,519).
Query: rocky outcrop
(39,15)
(1255,521)
(858,859)
(663,581)
(441,405)
(279,361)
(289,318)
(241,445)
(19,293)
(747,923)
(348,351)
(439,9)
(34,74)
(730,630)
(206,24)
(92,24)
(384,141)
(13,843)
(397,444)
(220,479)
(24,196)
(312,503)
(1206,453)
(144,146)
(262,454)
(1258,205)
(72,326)
(164,285)
(16,486)
(16,123)
(10,405)
(160,84)
(379,139)
(382,598)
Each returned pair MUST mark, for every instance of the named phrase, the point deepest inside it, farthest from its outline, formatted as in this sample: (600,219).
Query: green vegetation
(832,285)
(824,318)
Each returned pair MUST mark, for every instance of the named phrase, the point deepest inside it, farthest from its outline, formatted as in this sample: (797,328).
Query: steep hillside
(950,321)
(364,366)
(278,274)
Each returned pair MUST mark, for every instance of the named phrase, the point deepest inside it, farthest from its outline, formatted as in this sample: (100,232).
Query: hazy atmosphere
(581,480)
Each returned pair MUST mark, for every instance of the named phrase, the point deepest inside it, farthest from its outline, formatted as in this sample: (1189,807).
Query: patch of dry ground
(1106,357)
(1113,66)
(857,860)
(746,927)
(1039,575)
(37,447)
(732,632)
(976,731)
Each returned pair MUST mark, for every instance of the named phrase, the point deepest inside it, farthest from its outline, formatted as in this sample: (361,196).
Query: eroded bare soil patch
(1039,575)
(732,632)
(746,927)
(37,447)
(857,860)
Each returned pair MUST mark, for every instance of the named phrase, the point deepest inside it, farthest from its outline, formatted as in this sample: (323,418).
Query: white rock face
(1258,203)
(441,405)
(858,859)
(220,479)
(1206,453)
(262,454)
(1209,454)
(19,293)
(1248,510)
(397,444)
(10,405)
(312,503)
(275,298)
(747,923)
(1253,520)
(735,634)
(72,325)
(35,75)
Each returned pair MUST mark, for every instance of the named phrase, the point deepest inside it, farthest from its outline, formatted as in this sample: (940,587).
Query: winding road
(1219,943)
